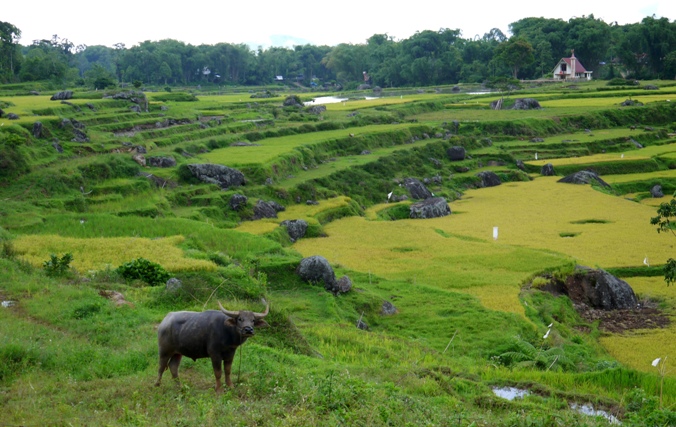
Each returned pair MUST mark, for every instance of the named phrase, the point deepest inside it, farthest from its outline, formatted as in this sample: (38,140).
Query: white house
(571,68)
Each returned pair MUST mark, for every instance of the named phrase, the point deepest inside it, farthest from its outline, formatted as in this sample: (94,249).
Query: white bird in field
(645,261)
(389,195)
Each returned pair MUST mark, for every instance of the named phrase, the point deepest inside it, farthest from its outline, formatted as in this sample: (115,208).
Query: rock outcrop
(296,228)
(488,179)
(583,177)
(220,175)
(417,189)
(432,207)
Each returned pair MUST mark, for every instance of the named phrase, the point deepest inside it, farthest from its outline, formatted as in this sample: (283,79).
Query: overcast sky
(294,22)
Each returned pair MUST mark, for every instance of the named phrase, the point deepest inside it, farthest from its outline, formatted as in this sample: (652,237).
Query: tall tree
(10,55)
(515,53)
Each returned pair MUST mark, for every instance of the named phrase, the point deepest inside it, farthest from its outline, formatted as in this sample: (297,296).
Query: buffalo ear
(260,323)
(230,322)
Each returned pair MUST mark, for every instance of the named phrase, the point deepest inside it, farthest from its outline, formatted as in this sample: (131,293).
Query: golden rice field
(24,107)
(95,254)
(607,101)
(541,224)
(648,344)
(638,154)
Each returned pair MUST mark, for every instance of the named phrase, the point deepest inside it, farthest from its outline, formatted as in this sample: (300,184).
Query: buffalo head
(245,321)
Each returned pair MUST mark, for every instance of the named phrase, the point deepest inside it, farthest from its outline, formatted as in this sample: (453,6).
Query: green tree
(515,54)
(10,55)
(99,77)
(666,215)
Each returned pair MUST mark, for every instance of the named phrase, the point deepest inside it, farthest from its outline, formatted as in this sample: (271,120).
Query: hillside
(104,196)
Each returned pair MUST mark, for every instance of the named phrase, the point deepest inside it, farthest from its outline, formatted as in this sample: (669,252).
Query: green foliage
(58,267)
(144,270)
(176,97)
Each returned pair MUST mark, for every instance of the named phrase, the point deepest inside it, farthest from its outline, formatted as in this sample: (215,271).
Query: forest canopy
(645,50)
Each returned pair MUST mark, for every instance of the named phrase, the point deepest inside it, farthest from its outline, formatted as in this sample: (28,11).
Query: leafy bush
(145,270)
(58,267)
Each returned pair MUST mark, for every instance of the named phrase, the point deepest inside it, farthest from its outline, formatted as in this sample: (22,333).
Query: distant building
(279,78)
(571,68)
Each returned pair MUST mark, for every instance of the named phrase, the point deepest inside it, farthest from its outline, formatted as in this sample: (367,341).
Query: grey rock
(57,147)
(537,140)
(600,289)
(237,201)
(161,162)
(79,136)
(365,152)
(488,179)
(292,101)
(174,284)
(656,191)
(267,209)
(456,153)
(362,325)
(433,207)
(220,175)
(37,129)
(343,285)
(636,143)
(547,170)
(60,96)
(317,109)
(12,116)
(526,104)
(520,165)
(388,309)
(141,149)
(316,269)
(417,189)
(583,177)
(296,228)
(135,108)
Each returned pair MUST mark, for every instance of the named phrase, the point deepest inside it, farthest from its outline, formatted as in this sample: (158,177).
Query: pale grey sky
(292,22)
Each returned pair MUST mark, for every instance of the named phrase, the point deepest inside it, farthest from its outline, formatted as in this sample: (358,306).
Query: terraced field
(110,181)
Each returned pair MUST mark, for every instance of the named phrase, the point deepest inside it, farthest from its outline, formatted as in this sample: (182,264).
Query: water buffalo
(214,334)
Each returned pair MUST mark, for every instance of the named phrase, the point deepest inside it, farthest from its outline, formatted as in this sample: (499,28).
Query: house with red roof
(571,68)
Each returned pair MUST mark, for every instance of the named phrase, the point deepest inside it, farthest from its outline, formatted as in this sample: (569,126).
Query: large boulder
(456,153)
(267,209)
(161,162)
(220,175)
(526,104)
(343,285)
(488,179)
(599,289)
(79,136)
(417,189)
(63,95)
(583,177)
(293,101)
(316,269)
(296,228)
(432,207)
(547,170)
(656,191)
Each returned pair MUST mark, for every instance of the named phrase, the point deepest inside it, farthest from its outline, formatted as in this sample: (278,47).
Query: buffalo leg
(228,369)
(216,364)
(173,365)
(164,360)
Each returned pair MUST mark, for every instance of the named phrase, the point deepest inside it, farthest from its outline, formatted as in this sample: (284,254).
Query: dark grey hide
(214,334)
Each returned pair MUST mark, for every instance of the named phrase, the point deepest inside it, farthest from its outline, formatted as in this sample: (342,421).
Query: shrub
(145,270)
(58,267)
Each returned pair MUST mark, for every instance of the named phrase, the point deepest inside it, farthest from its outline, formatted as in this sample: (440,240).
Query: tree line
(644,50)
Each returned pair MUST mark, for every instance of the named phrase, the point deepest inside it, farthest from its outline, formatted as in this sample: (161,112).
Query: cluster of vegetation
(82,221)
(639,51)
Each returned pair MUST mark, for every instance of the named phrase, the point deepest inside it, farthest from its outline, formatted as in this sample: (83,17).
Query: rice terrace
(423,262)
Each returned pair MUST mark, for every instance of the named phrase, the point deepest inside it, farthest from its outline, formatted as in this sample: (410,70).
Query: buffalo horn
(262,315)
(228,312)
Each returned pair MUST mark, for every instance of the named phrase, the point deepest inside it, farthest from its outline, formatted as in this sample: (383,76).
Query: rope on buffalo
(241,349)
